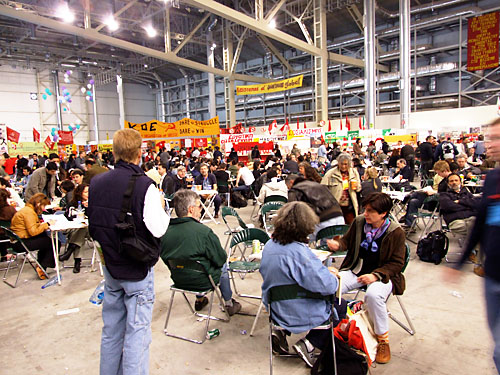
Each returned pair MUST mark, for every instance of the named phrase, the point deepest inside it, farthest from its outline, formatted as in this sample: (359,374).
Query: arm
(215,253)
(448,205)
(395,263)
(154,216)
(33,226)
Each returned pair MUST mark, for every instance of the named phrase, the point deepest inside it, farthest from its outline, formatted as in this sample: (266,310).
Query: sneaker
(279,343)
(383,353)
(200,303)
(231,310)
(300,348)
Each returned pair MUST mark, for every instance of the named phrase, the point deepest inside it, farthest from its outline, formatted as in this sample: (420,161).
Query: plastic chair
(275,198)
(266,212)
(177,266)
(291,292)
(21,250)
(242,267)
(328,233)
(223,186)
(229,211)
(428,217)
(411,328)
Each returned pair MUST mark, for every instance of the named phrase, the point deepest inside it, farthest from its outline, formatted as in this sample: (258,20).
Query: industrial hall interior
(249,187)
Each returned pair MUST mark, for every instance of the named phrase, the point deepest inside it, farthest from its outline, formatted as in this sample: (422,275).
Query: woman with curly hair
(309,172)
(286,260)
(7,212)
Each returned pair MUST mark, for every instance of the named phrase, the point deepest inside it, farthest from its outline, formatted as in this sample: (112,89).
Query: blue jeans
(127,311)
(492,293)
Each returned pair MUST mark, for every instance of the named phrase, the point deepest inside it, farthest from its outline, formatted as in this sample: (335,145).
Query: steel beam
(117,13)
(121,100)
(404,62)
(276,53)
(275,10)
(55,77)
(212,109)
(191,34)
(166,31)
(96,126)
(370,88)
(92,34)
(320,62)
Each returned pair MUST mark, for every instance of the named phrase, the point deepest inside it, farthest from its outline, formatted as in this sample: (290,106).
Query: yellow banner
(105,147)
(265,88)
(27,148)
(179,129)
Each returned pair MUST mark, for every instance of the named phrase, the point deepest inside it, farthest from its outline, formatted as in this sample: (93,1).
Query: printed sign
(182,128)
(482,42)
(264,88)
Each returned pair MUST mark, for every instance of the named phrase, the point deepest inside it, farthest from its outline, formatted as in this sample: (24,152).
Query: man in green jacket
(187,238)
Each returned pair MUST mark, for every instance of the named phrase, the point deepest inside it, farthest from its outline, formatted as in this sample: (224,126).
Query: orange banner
(482,42)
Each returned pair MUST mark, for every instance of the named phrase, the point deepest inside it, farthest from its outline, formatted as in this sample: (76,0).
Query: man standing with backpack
(446,150)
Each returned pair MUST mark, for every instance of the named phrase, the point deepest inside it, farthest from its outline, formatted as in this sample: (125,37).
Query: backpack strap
(127,201)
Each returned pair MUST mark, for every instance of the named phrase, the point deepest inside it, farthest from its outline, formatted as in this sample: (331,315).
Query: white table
(208,203)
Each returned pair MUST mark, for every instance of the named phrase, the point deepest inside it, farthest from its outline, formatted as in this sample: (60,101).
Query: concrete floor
(452,335)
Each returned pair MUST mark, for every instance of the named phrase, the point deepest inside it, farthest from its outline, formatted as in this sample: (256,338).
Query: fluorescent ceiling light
(111,23)
(150,31)
(65,13)
(272,24)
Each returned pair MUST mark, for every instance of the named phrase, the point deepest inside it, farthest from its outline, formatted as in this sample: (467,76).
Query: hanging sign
(65,137)
(13,135)
(182,128)
(265,88)
(36,135)
(49,143)
(482,42)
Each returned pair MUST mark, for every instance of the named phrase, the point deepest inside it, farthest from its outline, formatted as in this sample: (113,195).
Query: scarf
(374,233)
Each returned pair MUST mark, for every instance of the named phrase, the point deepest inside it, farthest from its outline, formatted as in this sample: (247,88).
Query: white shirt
(195,153)
(154,216)
(246,175)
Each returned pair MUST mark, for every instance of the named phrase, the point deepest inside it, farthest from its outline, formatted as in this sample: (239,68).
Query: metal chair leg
(270,348)
(410,330)
(256,319)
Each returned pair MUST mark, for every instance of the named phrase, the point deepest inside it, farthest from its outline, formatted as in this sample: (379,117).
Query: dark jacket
(92,172)
(255,154)
(405,172)
(105,201)
(426,153)
(408,152)
(368,187)
(291,166)
(173,184)
(38,182)
(318,196)
(465,208)
(211,178)
(486,227)
(187,238)
(392,253)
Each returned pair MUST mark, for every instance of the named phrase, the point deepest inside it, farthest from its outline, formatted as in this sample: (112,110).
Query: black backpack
(237,200)
(433,247)
(349,361)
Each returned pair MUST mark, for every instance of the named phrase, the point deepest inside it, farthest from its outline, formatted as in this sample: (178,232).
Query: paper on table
(62,223)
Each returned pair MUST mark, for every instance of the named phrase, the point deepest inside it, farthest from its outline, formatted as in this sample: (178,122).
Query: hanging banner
(182,128)
(12,135)
(482,42)
(265,88)
(311,132)
(26,148)
(65,137)
(353,134)
(48,142)
(36,135)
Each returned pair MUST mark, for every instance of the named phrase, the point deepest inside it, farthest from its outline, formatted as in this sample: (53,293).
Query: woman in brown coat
(28,227)
(375,258)
(6,214)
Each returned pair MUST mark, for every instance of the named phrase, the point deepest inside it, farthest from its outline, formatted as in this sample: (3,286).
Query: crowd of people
(329,186)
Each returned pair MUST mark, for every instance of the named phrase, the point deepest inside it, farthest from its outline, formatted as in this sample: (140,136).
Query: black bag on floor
(349,362)
(433,247)
(237,200)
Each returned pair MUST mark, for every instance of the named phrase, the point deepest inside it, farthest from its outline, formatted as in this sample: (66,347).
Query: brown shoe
(479,270)
(383,353)
(41,274)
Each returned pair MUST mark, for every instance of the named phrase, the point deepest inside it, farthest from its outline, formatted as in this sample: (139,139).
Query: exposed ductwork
(422,8)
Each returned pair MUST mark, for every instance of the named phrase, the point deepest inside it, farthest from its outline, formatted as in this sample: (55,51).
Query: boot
(78,262)
(69,250)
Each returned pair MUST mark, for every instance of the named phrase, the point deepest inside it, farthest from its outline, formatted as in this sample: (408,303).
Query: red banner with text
(65,137)
(482,42)
(12,135)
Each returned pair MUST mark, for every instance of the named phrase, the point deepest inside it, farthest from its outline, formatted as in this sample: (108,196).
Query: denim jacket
(295,263)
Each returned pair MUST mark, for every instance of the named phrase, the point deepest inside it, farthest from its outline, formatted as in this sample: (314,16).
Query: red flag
(49,143)
(329,125)
(341,123)
(12,135)
(298,123)
(305,126)
(360,125)
(65,138)
(36,135)
(287,125)
(347,123)
(271,125)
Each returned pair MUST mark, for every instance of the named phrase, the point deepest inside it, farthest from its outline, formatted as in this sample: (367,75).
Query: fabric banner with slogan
(353,134)
(266,88)
(65,137)
(105,147)
(12,135)
(182,128)
(26,148)
(49,143)
(310,132)
(482,42)
(36,135)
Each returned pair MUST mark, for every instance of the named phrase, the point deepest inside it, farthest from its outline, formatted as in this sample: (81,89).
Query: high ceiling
(35,45)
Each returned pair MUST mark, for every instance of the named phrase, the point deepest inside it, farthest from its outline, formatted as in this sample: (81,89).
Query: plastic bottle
(98,294)
(52,281)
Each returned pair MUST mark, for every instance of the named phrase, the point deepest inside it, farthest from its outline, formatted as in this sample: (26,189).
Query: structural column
(121,101)
(212,112)
(404,63)
(320,62)
(370,73)
(96,127)
(228,82)
(55,76)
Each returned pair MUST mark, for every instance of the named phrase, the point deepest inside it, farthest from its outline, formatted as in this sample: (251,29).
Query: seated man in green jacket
(187,238)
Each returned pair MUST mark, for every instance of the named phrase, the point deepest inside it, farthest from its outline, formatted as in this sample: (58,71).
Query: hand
(85,204)
(451,275)
(430,192)
(51,222)
(333,245)
(367,279)
(57,208)
(334,271)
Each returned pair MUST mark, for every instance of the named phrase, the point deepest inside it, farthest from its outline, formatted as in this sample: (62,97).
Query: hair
(454,166)
(441,166)
(241,164)
(77,194)
(181,167)
(37,200)
(126,143)
(148,166)
(204,165)
(462,156)
(89,162)
(4,182)
(27,168)
(273,172)
(295,221)
(380,202)
(372,174)
(51,166)
(402,161)
(53,156)
(309,172)
(184,199)
(429,137)
(256,164)
(4,195)
(452,174)
(77,171)
(163,165)
(343,156)
(67,185)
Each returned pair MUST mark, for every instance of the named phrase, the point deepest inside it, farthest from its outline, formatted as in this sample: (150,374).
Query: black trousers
(43,244)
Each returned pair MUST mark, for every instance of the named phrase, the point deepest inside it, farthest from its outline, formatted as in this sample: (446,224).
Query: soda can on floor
(213,333)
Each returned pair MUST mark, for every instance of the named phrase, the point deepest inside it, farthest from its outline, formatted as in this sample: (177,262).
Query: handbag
(132,246)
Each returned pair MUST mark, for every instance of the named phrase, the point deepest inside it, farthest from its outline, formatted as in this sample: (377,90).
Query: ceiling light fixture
(150,31)
(272,24)
(112,23)
(65,13)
